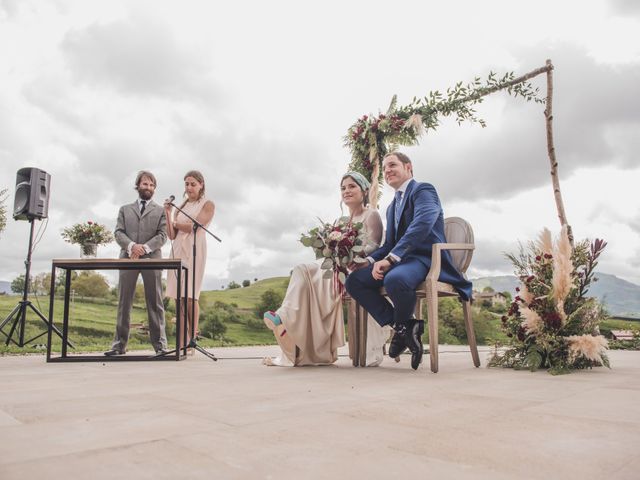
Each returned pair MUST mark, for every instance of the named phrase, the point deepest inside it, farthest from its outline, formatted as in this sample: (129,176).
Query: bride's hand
(353,266)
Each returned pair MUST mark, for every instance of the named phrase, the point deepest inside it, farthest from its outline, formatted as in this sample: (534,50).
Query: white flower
(335,236)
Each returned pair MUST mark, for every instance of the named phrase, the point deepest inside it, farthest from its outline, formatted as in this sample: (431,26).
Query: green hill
(246,298)
(92,323)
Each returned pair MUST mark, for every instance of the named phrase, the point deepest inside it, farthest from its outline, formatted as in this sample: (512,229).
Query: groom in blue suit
(415,221)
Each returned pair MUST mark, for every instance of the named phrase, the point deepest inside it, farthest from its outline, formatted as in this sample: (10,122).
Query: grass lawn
(92,325)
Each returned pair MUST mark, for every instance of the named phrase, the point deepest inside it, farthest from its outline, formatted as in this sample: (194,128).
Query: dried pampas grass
(532,321)
(375,174)
(415,122)
(562,271)
(545,243)
(589,346)
(525,294)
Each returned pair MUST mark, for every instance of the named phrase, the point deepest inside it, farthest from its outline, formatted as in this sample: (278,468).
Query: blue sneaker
(271,319)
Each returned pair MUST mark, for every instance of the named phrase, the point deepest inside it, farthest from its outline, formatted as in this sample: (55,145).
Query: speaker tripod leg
(9,317)
(49,324)
(20,317)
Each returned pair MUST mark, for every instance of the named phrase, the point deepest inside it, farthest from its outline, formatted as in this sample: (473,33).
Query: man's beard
(145,194)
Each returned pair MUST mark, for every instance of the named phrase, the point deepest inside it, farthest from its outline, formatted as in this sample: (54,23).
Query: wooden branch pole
(547,68)
(548,113)
(555,180)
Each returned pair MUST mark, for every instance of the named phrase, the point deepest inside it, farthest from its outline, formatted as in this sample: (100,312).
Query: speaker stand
(19,313)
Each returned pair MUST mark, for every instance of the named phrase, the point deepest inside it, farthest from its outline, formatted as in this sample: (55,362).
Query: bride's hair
(365,193)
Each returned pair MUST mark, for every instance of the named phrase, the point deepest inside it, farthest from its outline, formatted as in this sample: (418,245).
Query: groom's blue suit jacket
(421,225)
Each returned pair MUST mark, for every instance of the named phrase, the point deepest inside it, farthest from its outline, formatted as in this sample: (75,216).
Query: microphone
(171,198)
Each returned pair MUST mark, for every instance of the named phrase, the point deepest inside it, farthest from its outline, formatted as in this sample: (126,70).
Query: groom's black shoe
(113,352)
(413,341)
(397,345)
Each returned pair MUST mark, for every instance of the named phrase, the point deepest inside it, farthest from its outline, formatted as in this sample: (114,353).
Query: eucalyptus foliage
(370,138)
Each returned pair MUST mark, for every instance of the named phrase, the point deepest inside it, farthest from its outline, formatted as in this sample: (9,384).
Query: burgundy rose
(552,320)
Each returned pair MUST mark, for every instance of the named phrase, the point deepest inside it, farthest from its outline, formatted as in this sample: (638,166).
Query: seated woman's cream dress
(312,313)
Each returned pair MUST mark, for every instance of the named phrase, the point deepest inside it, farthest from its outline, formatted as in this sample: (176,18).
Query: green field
(91,325)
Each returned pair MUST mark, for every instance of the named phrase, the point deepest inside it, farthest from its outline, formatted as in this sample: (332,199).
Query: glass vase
(88,250)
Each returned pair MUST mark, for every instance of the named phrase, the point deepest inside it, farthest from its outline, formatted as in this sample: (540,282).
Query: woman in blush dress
(180,231)
(309,326)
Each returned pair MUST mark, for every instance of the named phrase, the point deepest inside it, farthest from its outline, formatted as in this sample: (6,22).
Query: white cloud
(258,95)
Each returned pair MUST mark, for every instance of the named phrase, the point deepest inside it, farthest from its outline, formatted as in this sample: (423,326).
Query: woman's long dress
(182,247)
(311,311)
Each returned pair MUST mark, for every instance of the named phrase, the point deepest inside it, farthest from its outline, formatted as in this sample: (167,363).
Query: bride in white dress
(309,326)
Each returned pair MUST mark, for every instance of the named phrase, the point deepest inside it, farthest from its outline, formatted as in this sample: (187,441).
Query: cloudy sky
(257,95)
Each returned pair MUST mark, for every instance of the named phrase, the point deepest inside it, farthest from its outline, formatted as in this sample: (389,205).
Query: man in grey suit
(141,230)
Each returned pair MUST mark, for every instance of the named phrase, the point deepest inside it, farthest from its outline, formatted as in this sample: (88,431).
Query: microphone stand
(192,344)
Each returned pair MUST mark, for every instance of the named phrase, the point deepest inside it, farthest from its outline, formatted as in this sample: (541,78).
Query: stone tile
(149,460)
(6,419)
(238,419)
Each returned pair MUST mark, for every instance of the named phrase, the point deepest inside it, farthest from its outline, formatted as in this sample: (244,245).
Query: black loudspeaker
(32,194)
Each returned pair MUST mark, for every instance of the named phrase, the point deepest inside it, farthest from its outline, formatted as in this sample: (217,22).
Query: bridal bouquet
(339,244)
(552,324)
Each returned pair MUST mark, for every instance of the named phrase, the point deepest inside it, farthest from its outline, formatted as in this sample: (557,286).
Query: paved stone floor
(238,419)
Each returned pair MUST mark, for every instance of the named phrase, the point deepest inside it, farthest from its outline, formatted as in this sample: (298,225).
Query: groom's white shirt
(402,188)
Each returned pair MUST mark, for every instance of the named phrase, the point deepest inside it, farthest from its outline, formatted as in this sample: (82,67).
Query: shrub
(255,324)
(269,300)
(451,328)
(212,324)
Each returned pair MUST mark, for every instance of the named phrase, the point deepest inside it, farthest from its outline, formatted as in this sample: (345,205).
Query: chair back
(458,230)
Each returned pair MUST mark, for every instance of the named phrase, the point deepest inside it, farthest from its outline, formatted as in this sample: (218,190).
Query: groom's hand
(137,251)
(380,268)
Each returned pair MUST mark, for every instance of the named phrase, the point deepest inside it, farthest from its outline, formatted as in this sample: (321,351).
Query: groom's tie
(144,205)
(398,210)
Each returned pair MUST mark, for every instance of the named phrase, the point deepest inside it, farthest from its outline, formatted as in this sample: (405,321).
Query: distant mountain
(502,283)
(620,297)
(5,287)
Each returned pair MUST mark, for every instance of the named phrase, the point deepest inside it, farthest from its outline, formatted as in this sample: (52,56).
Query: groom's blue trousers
(400,283)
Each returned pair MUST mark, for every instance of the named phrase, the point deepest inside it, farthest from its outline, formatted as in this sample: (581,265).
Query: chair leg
(471,334)
(362,340)
(351,330)
(418,311)
(432,319)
